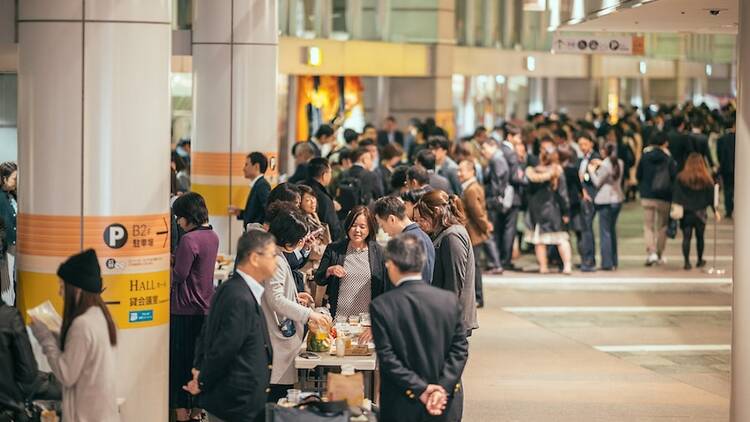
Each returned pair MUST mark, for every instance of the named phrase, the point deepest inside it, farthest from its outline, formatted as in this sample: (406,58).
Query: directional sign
(628,46)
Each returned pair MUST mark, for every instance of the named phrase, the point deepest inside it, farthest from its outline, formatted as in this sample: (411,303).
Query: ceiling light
(709,70)
(530,63)
(642,67)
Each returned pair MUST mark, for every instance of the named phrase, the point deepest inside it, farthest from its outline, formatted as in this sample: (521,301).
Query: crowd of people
(400,225)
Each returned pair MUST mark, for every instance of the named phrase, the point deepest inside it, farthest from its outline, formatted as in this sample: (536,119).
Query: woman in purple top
(191,290)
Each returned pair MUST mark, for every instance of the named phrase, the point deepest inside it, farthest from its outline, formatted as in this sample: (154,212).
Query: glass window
(8,117)
(460,22)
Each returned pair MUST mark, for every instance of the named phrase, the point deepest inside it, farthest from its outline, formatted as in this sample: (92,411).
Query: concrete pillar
(536,95)
(740,408)
(550,97)
(235,51)
(94,122)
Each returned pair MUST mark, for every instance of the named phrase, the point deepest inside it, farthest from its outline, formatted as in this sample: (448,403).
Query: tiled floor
(612,346)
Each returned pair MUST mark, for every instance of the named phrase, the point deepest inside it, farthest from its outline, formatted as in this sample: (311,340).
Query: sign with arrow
(624,45)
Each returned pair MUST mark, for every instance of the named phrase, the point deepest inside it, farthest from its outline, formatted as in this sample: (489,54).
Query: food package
(318,340)
(346,387)
(46,314)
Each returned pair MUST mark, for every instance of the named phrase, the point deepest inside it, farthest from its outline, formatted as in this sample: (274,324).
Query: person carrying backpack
(656,175)
(358,185)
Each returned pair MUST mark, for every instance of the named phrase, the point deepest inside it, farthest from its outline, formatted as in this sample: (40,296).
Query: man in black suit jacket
(390,133)
(256,165)
(700,141)
(725,155)
(320,175)
(371,186)
(233,354)
(420,340)
(680,145)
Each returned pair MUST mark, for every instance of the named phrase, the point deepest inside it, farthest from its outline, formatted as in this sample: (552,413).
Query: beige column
(235,53)
(741,290)
(94,148)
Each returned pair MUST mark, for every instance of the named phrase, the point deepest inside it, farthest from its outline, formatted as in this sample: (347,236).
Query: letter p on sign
(115,236)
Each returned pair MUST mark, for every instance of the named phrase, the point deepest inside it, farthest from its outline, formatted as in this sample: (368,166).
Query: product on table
(318,340)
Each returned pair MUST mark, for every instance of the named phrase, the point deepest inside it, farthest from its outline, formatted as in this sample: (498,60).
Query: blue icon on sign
(141,316)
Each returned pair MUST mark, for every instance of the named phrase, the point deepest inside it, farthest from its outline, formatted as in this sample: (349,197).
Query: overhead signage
(622,45)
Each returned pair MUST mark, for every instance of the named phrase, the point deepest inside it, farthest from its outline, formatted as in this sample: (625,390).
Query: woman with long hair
(320,238)
(84,357)
(192,288)
(8,211)
(606,175)
(442,217)
(549,208)
(694,190)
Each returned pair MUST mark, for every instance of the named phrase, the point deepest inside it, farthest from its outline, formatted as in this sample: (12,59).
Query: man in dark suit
(233,354)
(256,165)
(390,133)
(725,155)
(372,187)
(420,339)
(303,152)
(320,175)
(427,160)
(680,145)
(700,141)
(446,167)
(496,180)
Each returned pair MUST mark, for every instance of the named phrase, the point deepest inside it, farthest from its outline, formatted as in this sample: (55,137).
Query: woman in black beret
(83,358)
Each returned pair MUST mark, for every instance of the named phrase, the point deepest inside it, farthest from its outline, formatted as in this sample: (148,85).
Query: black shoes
(688,266)
(700,264)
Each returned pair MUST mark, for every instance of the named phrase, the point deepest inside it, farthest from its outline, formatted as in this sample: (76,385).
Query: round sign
(594,44)
(115,236)
(582,45)
(614,45)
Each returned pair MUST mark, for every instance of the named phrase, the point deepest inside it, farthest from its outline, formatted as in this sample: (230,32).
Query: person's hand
(232,210)
(717,215)
(40,330)
(336,205)
(566,219)
(317,319)
(305,298)
(196,373)
(435,399)
(192,387)
(490,227)
(366,335)
(586,196)
(336,270)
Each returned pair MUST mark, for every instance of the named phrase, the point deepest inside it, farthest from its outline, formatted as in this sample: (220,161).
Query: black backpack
(661,184)
(349,193)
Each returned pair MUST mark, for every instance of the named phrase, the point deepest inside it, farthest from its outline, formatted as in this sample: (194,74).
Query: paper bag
(346,387)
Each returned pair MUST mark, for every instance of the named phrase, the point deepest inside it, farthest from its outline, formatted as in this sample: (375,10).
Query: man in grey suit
(426,159)
(496,180)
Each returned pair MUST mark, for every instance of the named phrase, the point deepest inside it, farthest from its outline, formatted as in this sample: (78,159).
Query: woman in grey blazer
(607,177)
(287,310)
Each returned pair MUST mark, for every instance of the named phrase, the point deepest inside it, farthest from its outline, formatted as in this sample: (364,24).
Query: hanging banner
(622,45)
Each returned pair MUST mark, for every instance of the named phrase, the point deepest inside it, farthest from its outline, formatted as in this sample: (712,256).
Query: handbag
(672,228)
(286,326)
(676,211)
(309,412)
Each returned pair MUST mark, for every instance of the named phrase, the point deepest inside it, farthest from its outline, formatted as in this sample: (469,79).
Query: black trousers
(693,221)
(728,182)
(479,293)
(505,234)
(183,333)
(587,246)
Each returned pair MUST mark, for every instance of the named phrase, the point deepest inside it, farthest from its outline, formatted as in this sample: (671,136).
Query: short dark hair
(358,153)
(192,207)
(438,141)
(277,208)
(367,142)
(324,130)
(288,228)
(260,159)
(252,242)
(6,169)
(286,192)
(398,177)
(659,138)
(391,118)
(368,126)
(419,174)
(426,159)
(317,167)
(391,151)
(345,154)
(350,135)
(372,227)
(406,252)
(390,205)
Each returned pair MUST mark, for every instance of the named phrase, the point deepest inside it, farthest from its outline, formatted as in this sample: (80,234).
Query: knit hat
(82,270)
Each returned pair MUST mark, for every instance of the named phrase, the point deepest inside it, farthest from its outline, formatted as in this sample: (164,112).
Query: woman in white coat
(287,310)
(83,358)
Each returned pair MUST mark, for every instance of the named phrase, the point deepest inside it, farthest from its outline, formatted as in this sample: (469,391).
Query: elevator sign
(628,46)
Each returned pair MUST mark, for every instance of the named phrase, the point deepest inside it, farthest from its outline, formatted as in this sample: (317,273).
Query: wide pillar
(235,50)
(741,267)
(93,148)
